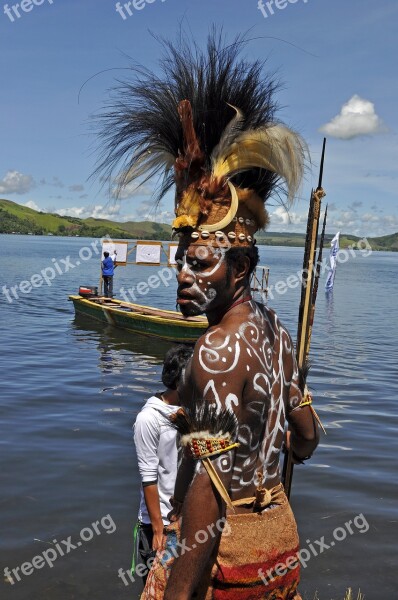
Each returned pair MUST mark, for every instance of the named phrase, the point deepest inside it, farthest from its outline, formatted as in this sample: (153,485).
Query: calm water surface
(71,390)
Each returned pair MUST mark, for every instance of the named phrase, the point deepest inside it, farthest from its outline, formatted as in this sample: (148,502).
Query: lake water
(71,390)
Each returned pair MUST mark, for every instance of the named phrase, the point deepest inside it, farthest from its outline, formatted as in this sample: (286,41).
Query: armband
(208,432)
(147,483)
(203,445)
(307,401)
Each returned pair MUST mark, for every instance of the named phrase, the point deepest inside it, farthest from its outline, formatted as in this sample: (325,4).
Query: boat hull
(162,324)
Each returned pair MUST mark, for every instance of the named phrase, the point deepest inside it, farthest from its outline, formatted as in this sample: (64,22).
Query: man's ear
(241,269)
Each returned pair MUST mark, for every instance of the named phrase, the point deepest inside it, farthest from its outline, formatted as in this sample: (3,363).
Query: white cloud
(357,117)
(282,217)
(97,211)
(32,204)
(367,224)
(131,190)
(384,224)
(148,211)
(111,211)
(348,220)
(145,210)
(369,218)
(71,211)
(78,187)
(16,183)
(390,221)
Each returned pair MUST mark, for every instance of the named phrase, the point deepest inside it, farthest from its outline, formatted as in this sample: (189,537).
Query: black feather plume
(140,130)
(205,417)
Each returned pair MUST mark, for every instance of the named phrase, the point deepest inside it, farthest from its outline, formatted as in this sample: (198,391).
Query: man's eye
(198,266)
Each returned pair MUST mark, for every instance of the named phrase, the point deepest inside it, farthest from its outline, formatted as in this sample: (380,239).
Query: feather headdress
(207,123)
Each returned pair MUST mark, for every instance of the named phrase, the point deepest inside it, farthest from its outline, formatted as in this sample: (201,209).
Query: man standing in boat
(210,122)
(108,269)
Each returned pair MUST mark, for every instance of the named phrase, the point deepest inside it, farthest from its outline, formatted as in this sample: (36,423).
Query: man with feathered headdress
(209,124)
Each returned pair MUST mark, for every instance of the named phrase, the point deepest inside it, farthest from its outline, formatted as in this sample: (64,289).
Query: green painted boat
(162,324)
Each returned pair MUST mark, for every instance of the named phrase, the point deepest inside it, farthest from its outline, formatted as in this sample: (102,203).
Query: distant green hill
(387,243)
(15,218)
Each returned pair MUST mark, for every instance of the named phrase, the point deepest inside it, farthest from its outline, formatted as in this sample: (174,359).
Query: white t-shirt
(156,446)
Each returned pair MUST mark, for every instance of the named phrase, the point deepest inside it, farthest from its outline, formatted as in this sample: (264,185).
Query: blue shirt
(107,266)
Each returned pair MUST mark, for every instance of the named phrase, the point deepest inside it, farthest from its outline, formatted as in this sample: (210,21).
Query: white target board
(148,253)
(172,254)
(117,251)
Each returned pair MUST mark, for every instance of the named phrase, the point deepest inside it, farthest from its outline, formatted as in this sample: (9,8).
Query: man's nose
(185,276)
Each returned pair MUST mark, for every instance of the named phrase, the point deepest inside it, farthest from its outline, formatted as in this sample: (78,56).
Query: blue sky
(337,60)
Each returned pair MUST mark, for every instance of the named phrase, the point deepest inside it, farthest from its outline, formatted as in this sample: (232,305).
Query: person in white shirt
(156,446)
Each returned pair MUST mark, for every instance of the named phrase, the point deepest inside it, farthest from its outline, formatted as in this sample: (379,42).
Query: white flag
(333,261)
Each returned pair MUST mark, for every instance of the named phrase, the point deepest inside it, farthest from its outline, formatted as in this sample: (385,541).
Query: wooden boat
(154,322)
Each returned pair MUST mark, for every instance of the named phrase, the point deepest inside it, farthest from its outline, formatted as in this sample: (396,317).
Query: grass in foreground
(349,595)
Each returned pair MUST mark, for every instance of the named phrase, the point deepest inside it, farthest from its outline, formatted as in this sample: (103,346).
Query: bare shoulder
(216,373)
(218,349)
(277,330)
(269,316)
(222,348)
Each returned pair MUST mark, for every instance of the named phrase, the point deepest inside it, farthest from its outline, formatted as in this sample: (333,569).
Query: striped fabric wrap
(159,574)
(256,559)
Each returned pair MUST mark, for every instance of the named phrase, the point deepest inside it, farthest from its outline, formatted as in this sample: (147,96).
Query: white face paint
(200,299)
(195,291)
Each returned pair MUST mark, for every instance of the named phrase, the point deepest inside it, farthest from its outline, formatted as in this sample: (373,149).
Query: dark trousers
(108,286)
(145,537)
